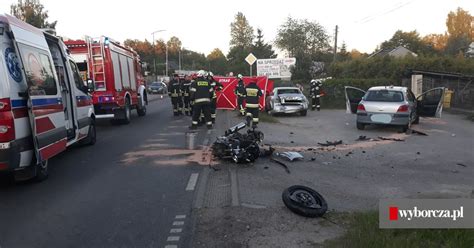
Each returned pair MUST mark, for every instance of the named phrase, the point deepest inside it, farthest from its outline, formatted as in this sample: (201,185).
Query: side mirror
(90,85)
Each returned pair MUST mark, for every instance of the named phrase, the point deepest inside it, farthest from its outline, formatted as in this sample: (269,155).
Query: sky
(205,24)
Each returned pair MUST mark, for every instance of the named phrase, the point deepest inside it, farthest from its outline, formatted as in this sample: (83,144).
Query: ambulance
(45,106)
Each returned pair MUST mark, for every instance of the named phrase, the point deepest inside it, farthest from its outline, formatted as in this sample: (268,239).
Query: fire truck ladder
(97,52)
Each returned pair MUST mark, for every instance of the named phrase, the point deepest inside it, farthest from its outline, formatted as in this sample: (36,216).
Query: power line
(386,12)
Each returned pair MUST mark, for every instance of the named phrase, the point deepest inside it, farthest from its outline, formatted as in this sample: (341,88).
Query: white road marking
(173,239)
(178,223)
(180,216)
(192,182)
(171,246)
(176,230)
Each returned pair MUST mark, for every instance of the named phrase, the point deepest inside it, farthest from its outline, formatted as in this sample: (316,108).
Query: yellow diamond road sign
(251,59)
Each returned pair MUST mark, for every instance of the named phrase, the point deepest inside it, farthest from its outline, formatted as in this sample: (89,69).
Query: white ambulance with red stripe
(116,71)
(44,103)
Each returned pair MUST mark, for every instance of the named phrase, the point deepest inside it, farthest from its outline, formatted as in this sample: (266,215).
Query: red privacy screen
(226,98)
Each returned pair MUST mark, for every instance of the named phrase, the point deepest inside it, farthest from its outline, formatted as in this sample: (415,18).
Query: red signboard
(226,98)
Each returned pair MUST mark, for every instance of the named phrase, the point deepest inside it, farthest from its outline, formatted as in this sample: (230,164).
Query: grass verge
(363,231)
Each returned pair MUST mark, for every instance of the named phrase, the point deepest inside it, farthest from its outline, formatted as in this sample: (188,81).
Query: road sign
(275,68)
(251,59)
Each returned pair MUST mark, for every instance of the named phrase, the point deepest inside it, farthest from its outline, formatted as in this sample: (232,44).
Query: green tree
(236,60)
(242,36)
(261,49)
(241,32)
(457,45)
(300,37)
(305,40)
(217,62)
(32,12)
(410,40)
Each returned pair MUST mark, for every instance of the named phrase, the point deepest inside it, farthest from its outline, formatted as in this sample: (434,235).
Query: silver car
(392,105)
(286,100)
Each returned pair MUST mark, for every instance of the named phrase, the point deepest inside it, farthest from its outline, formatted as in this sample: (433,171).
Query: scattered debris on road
(461,164)
(329,143)
(413,131)
(291,155)
(391,139)
(282,164)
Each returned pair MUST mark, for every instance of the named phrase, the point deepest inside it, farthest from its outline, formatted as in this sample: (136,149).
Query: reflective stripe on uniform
(209,123)
(252,92)
(195,122)
(249,114)
(202,100)
(213,115)
(192,89)
(255,119)
(252,105)
(317,96)
(174,95)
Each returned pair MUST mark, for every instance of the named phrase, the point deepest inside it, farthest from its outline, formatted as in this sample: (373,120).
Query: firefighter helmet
(201,73)
(240,76)
(313,81)
(210,74)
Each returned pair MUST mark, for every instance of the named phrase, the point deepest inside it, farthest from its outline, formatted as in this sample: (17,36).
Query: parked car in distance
(157,88)
(392,105)
(286,100)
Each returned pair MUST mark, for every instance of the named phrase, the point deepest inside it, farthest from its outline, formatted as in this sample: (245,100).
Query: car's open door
(45,103)
(353,97)
(430,103)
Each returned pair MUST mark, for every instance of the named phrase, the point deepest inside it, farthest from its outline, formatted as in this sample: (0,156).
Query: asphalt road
(112,194)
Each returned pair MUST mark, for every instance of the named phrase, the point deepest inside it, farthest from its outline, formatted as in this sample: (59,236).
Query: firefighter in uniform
(186,100)
(240,93)
(200,93)
(174,92)
(252,99)
(216,86)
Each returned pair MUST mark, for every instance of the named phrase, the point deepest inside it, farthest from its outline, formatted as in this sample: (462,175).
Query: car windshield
(288,91)
(156,84)
(384,96)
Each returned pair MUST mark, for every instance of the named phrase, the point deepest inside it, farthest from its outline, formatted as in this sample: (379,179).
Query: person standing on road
(315,94)
(216,86)
(240,93)
(252,106)
(174,92)
(186,101)
(200,93)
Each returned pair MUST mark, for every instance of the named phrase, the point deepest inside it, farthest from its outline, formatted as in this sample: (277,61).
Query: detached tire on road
(304,201)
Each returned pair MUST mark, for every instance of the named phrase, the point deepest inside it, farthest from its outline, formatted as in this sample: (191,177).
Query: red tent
(226,98)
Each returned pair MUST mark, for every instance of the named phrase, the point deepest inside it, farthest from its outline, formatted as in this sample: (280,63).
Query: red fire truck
(116,72)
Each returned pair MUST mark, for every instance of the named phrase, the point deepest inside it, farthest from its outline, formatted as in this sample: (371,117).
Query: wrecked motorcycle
(240,147)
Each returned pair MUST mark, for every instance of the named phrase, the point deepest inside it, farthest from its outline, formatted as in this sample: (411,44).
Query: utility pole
(154,48)
(335,44)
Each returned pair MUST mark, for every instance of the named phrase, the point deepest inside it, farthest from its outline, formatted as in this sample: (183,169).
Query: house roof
(391,51)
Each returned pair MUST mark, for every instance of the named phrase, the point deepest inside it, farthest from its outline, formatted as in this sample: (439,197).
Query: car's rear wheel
(360,126)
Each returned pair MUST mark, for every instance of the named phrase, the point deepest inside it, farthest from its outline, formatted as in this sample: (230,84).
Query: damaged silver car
(286,100)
